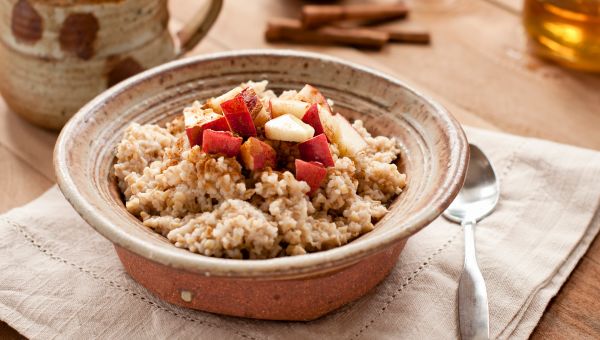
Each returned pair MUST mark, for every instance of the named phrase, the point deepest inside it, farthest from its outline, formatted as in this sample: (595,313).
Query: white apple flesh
(311,94)
(328,123)
(347,139)
(262,118)
(280,107)
(288,128)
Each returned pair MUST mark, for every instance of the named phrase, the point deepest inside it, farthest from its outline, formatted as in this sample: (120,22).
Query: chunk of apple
(312,173)
(239,118)
(262,118)
(259,87)
(221,142)
(311,117)
(316,149)
(328,123)
(215,103)
(347,139)
(257,155)
(311,94)
(252,101)
(339,131)
(288,128)
(196,122)
(280,107)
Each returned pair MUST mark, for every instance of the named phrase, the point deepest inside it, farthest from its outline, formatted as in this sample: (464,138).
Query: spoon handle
(472,296)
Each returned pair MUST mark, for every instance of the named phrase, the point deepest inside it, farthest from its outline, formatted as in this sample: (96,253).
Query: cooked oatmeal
(288,184)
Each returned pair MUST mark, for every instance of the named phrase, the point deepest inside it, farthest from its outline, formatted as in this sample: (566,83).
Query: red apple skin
(218,124)
(221,142)
(194,135)
(239,118)
(257,155)
(253,104)
(316,149)
(196,132)
(311,117)
(312,173)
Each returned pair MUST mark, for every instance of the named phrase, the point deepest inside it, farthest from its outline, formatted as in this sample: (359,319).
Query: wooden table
(477,66)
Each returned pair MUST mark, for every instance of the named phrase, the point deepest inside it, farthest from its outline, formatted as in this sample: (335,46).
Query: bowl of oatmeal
(265,184)
(252,174)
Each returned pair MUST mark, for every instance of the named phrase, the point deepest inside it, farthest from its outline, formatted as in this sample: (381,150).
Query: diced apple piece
(215,103)
(219,124)
(310,94)
(339,131)
(238,116)
(347,139)
(196,122)
(221,142)
(288,128)
(311,117)
(288,94)
(252,101)
(195,133)
(259,87)
(280,107)
(312,173)
(328,123)
(266,96)
(262,118)
(316,149)
(257,155)
(195,115)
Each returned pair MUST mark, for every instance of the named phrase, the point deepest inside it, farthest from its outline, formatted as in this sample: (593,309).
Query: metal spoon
(476,200)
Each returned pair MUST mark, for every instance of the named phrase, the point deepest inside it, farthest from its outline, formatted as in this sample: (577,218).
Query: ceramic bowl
(434,155)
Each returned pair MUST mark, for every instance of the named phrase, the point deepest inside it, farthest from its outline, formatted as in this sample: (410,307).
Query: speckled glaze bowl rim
(282,267)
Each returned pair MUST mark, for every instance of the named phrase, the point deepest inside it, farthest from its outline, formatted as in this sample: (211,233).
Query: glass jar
(565,31)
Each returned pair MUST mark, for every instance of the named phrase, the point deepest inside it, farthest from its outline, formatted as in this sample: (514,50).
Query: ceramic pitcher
(55,55)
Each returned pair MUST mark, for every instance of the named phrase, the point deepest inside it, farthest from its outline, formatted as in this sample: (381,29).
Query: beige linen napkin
(59,278)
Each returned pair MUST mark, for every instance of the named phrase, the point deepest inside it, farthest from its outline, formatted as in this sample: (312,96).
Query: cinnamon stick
(319,15)
(404,35)
(291,30)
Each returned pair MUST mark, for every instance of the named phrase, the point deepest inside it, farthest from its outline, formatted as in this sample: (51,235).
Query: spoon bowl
(480,192)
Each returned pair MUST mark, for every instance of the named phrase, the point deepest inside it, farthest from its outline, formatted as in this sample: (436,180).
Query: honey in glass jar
(566,31)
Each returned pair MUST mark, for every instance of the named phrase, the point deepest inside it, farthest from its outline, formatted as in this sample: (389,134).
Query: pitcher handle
(196,28)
